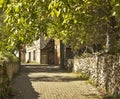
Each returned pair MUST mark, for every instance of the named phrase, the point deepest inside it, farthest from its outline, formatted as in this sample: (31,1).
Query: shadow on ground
(43,68)
(49,73)
(22,87)
(54,79)
(41,73)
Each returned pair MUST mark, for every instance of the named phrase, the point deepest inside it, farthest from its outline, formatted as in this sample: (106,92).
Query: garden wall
(104,70)
(7,71)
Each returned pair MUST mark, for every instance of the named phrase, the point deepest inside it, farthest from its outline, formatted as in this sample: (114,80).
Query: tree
(3,33)
(90,22)
(77,22)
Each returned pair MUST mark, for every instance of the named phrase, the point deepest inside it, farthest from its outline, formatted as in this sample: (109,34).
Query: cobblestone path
(50,82)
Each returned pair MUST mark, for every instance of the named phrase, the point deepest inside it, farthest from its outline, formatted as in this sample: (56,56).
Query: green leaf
(112,2)
(75,21)
(17,9)
(52,13)
(1,1)
(1,5)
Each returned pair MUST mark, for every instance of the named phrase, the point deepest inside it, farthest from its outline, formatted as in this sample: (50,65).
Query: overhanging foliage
(77,22)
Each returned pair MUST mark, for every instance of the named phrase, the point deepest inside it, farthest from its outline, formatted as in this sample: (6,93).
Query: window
(34,55)
(29,56)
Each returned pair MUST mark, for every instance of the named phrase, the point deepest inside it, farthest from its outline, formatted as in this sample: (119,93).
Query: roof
(43,42)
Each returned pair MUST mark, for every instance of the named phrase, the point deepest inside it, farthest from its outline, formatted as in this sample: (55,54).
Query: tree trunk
(111,37)
(19,56)
(61,54)
(107,43)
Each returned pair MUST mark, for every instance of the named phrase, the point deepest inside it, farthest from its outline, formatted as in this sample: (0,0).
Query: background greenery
(79,23)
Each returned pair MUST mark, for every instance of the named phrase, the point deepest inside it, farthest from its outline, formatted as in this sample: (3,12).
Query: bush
(5,57)
(8,57)
(2,58)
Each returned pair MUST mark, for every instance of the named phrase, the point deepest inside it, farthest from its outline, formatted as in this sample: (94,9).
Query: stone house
(47,51)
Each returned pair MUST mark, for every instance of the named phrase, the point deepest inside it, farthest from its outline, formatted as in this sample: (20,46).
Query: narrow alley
(50,82)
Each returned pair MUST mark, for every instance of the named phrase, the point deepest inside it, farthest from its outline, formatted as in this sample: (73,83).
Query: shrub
(5,57)
(8,57)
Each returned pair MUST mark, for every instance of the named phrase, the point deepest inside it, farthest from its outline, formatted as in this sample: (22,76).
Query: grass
(81,76)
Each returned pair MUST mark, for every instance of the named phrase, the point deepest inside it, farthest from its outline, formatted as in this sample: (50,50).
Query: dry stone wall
(109,73)
(104,70)
(12,69)
(7,71)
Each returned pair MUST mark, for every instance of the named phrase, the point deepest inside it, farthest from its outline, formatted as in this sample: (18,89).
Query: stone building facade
(33,52)
(47,51)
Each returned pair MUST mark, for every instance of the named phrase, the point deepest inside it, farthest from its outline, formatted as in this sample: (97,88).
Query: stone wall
(7,71)
(12,69)
(108,73)
(104,70)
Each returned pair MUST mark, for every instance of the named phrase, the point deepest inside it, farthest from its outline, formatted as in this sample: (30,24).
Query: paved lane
(50,82)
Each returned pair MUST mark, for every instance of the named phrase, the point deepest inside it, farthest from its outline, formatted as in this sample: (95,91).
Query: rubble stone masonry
(104,70)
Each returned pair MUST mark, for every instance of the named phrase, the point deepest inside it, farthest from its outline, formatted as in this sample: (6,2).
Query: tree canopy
(77,22)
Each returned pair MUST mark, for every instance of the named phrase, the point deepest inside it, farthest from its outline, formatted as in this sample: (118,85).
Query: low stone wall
(69,66)
(7,71)
(12,69)
(104,70)
(108,73)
